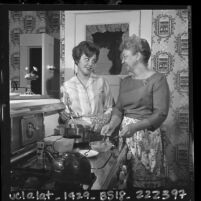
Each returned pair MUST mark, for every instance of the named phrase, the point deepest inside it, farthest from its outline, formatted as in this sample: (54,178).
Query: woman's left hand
(127,131)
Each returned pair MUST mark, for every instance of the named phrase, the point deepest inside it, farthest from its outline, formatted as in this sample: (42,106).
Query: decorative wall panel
(170,56)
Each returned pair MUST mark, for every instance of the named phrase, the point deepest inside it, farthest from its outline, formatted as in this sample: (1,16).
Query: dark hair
(85,47)
(137,44)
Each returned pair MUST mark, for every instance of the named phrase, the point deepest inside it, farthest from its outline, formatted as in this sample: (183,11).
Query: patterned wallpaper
(169,56)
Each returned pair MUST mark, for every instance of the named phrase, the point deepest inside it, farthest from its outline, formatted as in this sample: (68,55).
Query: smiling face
(86,64)
(129,59)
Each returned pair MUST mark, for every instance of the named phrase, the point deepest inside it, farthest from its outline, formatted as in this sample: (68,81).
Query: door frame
(43,41)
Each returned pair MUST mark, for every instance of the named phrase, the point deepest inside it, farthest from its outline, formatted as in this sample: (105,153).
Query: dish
(101,146)
(88,153)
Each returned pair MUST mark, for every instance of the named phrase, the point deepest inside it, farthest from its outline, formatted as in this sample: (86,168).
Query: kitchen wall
(28,22)
(31,22)
(169,56)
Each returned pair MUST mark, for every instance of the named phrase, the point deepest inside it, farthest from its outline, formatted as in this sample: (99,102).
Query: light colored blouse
(91,100)
(144,99)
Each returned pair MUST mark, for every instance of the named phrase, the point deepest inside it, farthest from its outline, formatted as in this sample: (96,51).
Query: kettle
(71,167)
(57,164)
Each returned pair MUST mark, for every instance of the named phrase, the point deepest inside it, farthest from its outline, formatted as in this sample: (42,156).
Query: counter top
(21,107)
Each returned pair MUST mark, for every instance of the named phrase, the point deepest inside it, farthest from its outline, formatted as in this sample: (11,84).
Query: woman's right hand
(107,130)
(64,116)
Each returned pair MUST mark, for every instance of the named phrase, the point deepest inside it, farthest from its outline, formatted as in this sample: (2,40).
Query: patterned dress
(138,100)
(147,162)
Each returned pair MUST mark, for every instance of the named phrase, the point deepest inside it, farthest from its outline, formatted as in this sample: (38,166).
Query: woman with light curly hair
(141,108)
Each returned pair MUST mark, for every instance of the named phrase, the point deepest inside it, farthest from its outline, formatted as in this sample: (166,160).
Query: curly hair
(137,44)
(85,47)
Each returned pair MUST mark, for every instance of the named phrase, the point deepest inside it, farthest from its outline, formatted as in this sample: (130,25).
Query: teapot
(72,166)
(57,164)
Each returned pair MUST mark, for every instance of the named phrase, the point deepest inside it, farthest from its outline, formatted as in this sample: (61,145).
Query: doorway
(35,59)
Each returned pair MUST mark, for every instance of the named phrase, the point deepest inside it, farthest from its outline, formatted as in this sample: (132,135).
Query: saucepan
(101,146)
(79,133)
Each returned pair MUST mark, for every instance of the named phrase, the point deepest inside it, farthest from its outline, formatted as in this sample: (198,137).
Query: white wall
(51,123)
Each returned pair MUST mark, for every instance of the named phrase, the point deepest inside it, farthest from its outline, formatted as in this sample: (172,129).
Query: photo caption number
(70,196)
(156,195)
(76,196)
(147,194)
(139,194)
(110,195)
(182,193)
(79,196)
(165,194)
(178,193)
(86,195)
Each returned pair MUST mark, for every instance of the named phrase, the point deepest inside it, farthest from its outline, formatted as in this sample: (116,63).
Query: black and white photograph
(99,103)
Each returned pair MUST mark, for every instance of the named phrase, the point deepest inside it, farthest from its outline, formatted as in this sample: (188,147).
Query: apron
(145,157)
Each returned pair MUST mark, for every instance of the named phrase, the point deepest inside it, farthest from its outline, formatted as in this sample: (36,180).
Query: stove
(33,174)
(29,179)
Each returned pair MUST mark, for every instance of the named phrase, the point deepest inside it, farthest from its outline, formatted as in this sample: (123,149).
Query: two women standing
(141,108)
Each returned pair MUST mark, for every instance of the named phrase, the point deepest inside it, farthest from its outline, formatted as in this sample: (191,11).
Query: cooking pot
(79,133)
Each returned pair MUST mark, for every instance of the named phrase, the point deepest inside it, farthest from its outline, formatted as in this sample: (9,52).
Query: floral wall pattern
(170,57)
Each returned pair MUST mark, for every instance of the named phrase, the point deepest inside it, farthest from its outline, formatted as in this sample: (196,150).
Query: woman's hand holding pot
(107,130)
(64,116)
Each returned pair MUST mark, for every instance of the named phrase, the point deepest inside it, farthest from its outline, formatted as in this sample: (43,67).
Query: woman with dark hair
(86,95)
(142,107)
